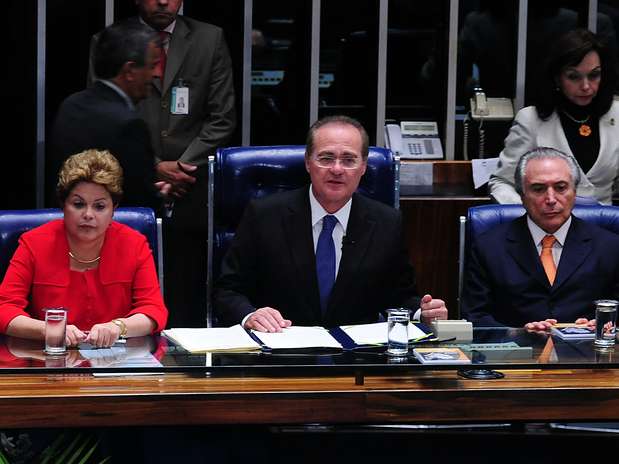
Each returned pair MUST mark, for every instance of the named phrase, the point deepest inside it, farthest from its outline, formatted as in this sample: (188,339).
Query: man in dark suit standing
(104,116)
(546,266)
(190,113)
(322,255)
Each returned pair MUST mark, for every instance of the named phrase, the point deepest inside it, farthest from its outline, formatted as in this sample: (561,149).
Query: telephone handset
(485,109)
(479,104)
(496,109)
(414,140)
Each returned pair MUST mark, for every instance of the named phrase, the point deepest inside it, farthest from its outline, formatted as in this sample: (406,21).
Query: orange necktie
(547,260)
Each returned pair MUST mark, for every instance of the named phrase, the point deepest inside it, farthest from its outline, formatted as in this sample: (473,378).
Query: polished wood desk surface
(35,400)
(36,397)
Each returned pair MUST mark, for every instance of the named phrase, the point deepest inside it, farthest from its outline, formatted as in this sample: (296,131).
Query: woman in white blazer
(574,113)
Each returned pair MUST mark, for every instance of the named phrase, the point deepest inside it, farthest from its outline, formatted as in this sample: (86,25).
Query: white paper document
(233,338)
(372,334)
(299,337)
(482,170)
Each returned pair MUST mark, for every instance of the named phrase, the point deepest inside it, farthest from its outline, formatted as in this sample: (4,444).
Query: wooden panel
(430,228)
(453,172)
(427,397)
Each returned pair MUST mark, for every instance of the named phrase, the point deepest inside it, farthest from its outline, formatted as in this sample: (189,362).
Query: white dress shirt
(339,231)
(538,235)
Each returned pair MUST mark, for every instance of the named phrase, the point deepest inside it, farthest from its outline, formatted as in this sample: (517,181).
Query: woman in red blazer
(101,271)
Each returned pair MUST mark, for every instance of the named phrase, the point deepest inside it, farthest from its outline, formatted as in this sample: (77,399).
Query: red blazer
(123,284)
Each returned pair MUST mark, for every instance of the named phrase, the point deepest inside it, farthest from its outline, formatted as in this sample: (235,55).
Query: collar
(538,233)
(119,91)
(169,29)
(318,212)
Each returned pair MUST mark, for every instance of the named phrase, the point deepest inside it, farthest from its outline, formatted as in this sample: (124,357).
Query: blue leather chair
(237,175)
(482,218)
(13,223)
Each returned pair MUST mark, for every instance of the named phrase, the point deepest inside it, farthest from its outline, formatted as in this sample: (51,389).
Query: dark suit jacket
(271,262)
(198,55)
(505,283)
(98,117)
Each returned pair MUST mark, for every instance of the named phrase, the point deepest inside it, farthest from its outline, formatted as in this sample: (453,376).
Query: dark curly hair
(569,50)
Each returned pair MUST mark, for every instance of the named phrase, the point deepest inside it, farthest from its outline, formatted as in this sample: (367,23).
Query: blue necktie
(325,260)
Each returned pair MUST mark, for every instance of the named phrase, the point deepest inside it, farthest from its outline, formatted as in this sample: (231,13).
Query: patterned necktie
(325,260)
(548,261)
(163,57)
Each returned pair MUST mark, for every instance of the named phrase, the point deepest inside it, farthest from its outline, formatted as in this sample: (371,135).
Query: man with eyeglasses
(320,255)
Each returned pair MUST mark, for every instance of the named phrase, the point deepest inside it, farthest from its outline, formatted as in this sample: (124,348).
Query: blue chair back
(238,175)
(483,218)
(13,223)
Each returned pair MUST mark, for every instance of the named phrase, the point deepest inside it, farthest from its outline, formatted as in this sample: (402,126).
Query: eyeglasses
(329,161)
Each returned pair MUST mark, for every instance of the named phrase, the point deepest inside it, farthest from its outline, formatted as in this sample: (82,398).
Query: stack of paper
(233,338)
(297,337)
(373,334)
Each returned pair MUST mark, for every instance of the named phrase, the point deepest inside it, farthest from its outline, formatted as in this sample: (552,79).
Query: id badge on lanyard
(180,98)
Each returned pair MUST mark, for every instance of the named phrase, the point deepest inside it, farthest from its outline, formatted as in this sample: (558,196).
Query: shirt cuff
(417,315)
(245,319)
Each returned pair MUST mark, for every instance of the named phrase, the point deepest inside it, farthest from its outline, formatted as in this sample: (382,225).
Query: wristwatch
(122,326)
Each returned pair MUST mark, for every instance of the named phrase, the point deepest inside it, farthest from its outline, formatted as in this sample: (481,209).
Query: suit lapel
(357,240)
(521,248)
(576,248)
(179,46)
(297,226)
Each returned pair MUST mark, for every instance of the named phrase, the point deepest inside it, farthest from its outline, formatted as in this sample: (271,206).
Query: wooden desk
(36,400)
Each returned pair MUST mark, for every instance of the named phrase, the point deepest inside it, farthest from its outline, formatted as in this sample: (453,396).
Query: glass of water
(605,323)
(397,331)
(55,330)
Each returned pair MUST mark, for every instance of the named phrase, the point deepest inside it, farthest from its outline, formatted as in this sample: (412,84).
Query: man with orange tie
(546,266)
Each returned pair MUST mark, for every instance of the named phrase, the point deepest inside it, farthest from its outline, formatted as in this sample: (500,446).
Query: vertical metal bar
(592,21)
(314,62)
(247,59)
(452,69)
(521,60)
(40,99)
(461,252)
(381,91)
(396,166)
(109,12)
(210,245)
(159,223)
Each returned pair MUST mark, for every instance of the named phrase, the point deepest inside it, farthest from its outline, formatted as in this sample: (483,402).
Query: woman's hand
(74,336)
(103,335)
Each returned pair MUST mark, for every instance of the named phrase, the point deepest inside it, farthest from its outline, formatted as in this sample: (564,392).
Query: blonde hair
(96,166)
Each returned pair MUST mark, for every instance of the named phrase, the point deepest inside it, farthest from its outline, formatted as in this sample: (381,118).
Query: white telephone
(496,109)
(414,140)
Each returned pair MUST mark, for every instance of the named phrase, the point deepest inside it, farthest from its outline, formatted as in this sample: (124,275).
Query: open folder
(236,338)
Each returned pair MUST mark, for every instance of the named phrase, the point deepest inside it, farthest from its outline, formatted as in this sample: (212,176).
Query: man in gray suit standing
(190,113)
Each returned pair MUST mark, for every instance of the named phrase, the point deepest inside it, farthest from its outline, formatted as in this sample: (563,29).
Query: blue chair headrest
(13,223)
(483,218)
(245,173)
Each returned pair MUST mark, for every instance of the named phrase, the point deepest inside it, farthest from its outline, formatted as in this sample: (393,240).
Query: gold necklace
(81,261)
(584,129)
